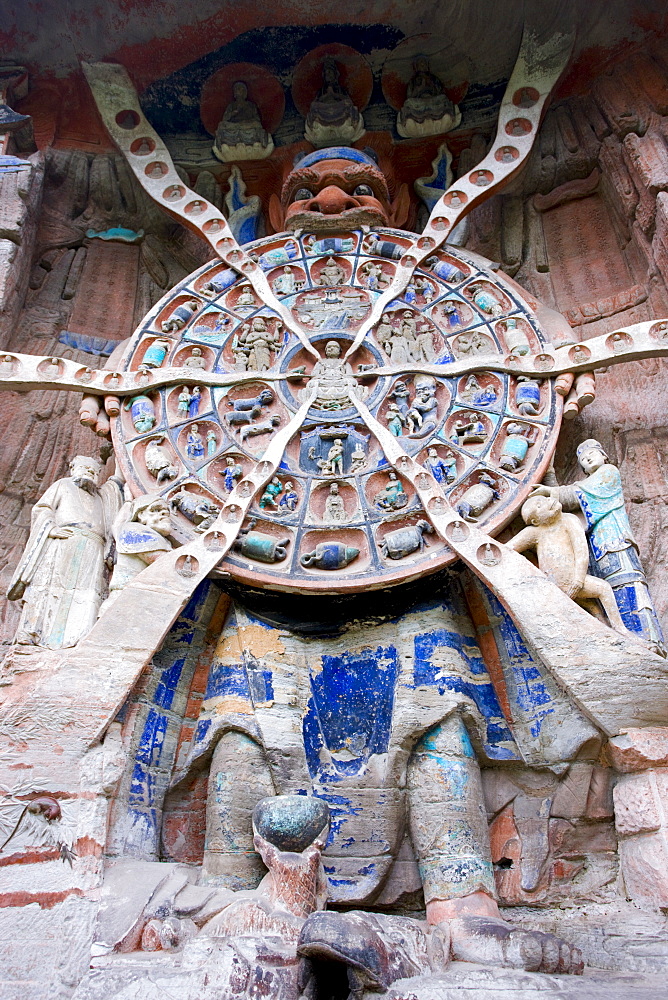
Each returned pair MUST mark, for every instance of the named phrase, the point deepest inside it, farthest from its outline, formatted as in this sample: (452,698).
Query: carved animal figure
(246,410)
(266,427)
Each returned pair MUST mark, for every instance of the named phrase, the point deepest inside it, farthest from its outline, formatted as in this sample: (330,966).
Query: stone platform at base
(466,981)
(161,976)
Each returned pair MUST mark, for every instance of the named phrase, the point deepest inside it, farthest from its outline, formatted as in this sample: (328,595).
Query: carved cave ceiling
(172,49)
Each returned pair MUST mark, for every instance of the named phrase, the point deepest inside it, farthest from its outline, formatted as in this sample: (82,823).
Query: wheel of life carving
(338,517)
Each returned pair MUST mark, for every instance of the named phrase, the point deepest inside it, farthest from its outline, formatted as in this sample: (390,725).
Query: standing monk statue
(61,576)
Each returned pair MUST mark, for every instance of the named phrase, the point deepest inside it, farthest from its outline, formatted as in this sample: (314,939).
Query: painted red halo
(264,90)
(355,75)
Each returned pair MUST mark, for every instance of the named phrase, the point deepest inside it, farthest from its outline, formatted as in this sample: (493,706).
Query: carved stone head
(334,190)
(154,513)
(591,456)
(85,469)
(541,510)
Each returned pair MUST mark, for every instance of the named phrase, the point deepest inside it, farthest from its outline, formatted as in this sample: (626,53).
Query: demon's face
(331,195)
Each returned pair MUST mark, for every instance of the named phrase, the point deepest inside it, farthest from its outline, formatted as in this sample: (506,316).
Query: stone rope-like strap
(152,165)
(22,372)
(538,67)
(571,643)
(172,578)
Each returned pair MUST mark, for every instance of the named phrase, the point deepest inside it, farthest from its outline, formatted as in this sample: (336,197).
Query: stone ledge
(465,981)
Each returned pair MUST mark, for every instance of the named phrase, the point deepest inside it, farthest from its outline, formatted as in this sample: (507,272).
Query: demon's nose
(331,201)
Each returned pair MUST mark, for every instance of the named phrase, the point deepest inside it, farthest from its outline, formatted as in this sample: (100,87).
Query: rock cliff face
(584,228)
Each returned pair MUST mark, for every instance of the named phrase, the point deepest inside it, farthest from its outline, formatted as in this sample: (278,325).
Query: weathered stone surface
(614,935)
(637,806)
(475,982)
(637,749)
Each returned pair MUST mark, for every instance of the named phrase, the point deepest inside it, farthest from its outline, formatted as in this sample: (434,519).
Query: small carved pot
(385,248)
(330,555)
(156,353)
(527,397)
(514,452)
(516,339)
(264,548)
(142,412)
(400,543)
(446,271)
(475,500)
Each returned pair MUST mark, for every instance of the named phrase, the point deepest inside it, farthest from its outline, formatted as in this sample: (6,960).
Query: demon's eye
(302,194)
(363,191)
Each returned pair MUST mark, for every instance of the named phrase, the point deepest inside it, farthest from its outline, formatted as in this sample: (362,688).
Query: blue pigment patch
(150,744)
(227,679)
(203,727)
(168,683)
(350,711)
(340,808)
(261,685)
(433,668)
(531,694)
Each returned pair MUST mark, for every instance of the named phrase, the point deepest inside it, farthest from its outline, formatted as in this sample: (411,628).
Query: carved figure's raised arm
(525,539)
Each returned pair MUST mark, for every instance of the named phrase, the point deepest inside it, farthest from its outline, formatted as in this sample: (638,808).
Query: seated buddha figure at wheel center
(332,381)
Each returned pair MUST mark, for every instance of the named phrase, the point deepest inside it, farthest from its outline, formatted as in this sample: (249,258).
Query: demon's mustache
(351,218)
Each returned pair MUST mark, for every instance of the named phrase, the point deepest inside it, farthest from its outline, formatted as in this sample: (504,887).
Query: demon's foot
(491,941)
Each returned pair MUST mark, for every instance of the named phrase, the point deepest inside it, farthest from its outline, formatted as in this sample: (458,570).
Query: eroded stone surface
(475,982)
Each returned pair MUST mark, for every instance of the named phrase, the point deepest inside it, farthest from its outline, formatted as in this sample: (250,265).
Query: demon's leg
(450,836)
(238,779)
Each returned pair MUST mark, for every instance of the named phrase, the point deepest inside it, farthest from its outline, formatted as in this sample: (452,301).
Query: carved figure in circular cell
(159,461)
(475,395)
(258,344)
(194,402)
(332,380)
(211,443)
(287,283)
(272,491)
(374,277)
(470,344)
(421,417)
(331,274)
(443,470)
(184,403)
(395,420)
(195,360)
(230,473)
(335,509)
(289,498)
(392,496)
(195,443)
